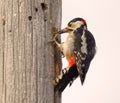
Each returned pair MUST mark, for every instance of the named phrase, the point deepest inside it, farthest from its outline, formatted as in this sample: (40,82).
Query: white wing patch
(78,61)
(84,44)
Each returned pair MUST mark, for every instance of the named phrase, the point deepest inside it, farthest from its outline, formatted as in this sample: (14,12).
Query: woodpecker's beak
(65,30)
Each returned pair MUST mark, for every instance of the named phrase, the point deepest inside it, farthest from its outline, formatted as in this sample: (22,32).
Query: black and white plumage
(79,49)
(85,52)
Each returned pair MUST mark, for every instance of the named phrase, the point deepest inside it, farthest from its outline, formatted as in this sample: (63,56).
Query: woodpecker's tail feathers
(66,76)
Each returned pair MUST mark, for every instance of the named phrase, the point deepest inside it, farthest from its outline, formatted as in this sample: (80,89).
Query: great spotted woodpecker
(79,49)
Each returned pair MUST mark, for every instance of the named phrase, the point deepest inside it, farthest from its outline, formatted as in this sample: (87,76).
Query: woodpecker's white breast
(68,45)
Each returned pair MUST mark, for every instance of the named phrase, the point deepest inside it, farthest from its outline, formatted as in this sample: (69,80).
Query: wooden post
(27,61)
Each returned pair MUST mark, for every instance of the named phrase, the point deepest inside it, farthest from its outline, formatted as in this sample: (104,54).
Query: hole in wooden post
(30,18)
(36,9)
(44,6)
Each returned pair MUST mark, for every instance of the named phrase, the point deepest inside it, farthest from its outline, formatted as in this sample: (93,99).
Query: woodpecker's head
(73,25)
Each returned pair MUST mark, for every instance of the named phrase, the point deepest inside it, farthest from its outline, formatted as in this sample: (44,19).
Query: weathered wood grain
(27,61)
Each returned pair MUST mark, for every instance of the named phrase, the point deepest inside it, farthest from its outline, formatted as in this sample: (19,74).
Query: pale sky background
(102,84)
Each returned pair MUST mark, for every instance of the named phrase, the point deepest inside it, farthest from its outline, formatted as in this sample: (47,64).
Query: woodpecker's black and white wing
(84,52)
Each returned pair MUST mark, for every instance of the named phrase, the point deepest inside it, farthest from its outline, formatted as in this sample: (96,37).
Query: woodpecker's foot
(54,41)
(51,41)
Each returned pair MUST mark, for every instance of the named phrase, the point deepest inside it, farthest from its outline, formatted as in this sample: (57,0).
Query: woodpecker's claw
(54,39)
(51,41)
